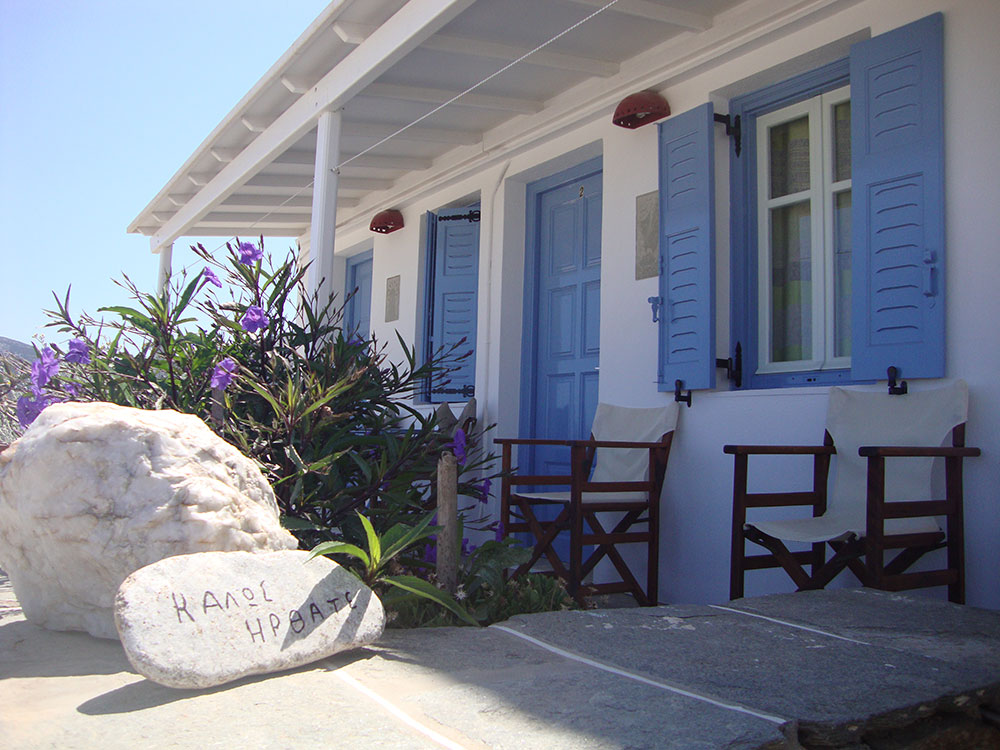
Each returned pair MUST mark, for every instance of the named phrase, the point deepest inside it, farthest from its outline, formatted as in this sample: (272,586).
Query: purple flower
(29,409)
(249,253)
(210,277)
(78,352)
(43,370)
(72,389)
(485,490)
(499,531)
(430,553)
(254,319)
(457,445)
(222,375)
(467,548)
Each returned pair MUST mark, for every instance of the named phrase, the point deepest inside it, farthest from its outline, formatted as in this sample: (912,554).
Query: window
(452,258)
(358,293)
(803,165)
(836,223)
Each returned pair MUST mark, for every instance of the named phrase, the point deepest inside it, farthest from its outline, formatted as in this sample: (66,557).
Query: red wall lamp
(640,108)
(387,221)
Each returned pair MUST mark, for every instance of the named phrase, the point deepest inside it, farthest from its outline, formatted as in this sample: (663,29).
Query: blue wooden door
(563,324)
(563,318)
(568,311)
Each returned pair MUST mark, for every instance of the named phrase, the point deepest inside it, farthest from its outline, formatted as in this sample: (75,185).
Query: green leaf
(267,397)
(427,590)
(298,524)
(340,548)
(374,546)
(408,536)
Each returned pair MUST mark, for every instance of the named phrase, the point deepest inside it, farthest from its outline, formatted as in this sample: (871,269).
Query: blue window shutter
(687,250)
(898,197)
(357,317)
(455,300)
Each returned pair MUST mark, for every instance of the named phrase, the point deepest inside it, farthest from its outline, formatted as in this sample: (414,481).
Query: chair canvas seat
(859,418)
(832,527)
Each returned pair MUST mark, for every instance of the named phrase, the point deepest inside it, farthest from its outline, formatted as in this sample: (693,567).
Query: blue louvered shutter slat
(898,197)
(687,257)
(456,283)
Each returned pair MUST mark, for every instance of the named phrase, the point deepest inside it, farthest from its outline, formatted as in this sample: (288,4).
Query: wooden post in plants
(447,517)
(217,413)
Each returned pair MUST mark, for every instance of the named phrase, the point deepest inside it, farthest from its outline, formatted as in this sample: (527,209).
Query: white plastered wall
(696,511)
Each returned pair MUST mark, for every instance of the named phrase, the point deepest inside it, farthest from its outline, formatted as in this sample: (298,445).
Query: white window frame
(821,196)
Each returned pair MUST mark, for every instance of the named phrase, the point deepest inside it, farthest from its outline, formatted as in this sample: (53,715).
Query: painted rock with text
(194,621)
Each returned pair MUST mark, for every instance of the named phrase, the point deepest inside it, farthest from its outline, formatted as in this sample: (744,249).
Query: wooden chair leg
(737,554)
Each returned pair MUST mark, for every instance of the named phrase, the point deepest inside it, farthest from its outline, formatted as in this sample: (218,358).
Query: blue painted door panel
(563,329)
(569,309)
(897,152)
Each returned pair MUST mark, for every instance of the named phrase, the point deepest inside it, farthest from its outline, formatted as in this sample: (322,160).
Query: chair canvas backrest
(858,418)
(634,425)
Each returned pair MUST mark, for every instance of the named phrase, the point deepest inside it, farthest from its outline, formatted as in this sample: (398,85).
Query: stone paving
(850,669)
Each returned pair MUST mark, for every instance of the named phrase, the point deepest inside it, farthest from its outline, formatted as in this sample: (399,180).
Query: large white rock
(92,492)
(195,621)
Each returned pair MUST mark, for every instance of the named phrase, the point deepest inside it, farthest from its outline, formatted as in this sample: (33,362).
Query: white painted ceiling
(630,45)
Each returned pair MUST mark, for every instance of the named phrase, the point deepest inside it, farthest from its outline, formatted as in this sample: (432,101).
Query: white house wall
(695,521)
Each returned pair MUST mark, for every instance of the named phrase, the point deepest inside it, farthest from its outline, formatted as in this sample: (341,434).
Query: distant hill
(17,348)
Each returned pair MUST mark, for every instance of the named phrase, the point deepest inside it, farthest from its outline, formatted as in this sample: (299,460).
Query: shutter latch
(656,303)
(895,390)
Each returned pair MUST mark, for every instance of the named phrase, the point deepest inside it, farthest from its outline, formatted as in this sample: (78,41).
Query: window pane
(842,142)
(790,157)
(842,274)
(791,283)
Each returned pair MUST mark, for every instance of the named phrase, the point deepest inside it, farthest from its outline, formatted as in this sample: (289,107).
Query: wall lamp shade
(639,109)
(387,221)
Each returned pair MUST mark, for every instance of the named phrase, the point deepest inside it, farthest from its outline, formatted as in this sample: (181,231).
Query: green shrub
(269,368)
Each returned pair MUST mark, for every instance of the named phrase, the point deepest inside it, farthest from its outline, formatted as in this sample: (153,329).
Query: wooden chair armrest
(779,450)
(896,451)
(621,444)
(537,441)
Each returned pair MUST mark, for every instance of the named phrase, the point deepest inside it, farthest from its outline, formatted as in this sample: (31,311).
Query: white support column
(324,205)
(166,258)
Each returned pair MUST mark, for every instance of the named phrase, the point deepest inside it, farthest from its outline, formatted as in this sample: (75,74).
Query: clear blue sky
(101,101)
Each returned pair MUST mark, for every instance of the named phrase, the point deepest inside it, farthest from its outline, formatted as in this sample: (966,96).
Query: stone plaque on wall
(392,299)
(647,230)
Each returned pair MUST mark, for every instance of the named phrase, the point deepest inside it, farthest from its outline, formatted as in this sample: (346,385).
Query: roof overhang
(387,64)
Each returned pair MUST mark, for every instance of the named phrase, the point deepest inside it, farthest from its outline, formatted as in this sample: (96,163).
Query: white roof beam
(353,33)
(649,11)
(200,179)
(371,161)
(238,217)
(240,202)
(416,133)
(507,52)
(254,124)
(440,96)
(179,199)
(292,181)
(391,42)
(224,155)
(295,86)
